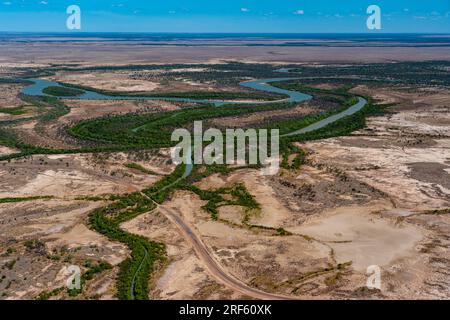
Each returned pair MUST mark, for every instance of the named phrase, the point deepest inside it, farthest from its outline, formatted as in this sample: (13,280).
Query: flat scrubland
(373,192)
(94,53)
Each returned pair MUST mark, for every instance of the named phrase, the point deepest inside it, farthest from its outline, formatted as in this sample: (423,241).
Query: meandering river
(38,85)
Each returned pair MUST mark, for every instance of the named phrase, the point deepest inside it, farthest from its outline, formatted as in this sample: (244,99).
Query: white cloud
(7,3)
(245,9)
(299,11)
(44,2)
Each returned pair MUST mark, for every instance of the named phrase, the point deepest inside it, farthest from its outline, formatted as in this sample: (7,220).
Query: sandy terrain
(4,151)
(366,239)
(58,227)
(392,171)
(184,277)
(404,155)
(115,81)
(60,239)
(405,158)
(363,235)
(153,80)
(86,109)
(269,263)
(75,175)
(9,96)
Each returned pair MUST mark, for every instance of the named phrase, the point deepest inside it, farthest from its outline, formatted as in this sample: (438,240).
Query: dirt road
(212,265)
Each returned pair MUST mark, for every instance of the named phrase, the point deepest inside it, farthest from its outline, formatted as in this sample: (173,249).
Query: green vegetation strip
(62,91)
(16,111)
(11,200)
(140,168)
(135,271)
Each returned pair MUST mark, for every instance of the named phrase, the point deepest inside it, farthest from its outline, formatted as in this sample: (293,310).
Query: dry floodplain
(360,200)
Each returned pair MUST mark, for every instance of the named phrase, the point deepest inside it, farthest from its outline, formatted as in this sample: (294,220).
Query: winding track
(214,268)
(204,255)
(188,232)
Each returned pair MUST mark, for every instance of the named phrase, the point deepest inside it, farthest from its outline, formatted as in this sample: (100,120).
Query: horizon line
(224,33)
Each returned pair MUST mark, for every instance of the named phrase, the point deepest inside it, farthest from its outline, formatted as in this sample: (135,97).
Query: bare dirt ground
(41,239)
(80,174)
(9,96)
(349,237)
(115,81)
(138,81)
(405,156)
(4,151)
(152,80)
(9,99)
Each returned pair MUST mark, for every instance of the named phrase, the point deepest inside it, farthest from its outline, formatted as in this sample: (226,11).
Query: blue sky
(284,16)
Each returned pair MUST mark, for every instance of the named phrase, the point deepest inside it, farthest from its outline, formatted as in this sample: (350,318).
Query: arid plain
(378,194)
